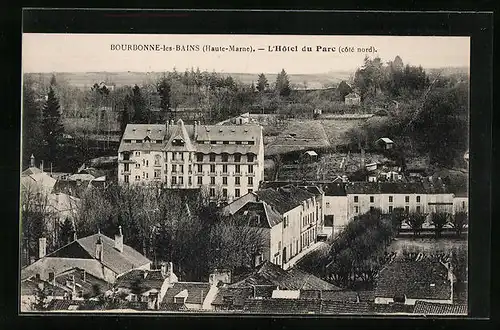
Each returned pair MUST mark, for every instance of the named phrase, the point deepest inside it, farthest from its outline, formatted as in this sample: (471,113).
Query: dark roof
(64,305)
(267,216)
(428,308)
(237,296)
(284,198)
(424,279)
(293,279)
(197,291)
(310,187)
(88,285)
(135,279)
(334,189)
(393,188)
(30,287)
(71,187)
(331,295)
(391,308)
(303,306)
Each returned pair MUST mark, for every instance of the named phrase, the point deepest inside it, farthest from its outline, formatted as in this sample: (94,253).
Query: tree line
(163,225)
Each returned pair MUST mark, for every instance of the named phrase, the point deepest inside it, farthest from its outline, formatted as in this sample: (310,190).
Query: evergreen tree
(283,84)
(53,81)
(52,126)
(66,232)
(124,117)
(139,105)
(252,87)
(164,89)
(343,89)
(262,83)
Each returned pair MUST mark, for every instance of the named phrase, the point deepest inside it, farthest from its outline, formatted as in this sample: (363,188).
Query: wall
(336,206)
(460,204)
(276,244)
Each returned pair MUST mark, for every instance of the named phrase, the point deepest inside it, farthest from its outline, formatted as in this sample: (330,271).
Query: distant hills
(310,81)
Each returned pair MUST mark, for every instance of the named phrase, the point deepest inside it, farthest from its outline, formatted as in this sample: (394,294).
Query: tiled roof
(31,170)
(392,188)
(153,280)
(67,305)
(117,261)
(334,189)
(237,296)
(58,265)
(87,284)
(428,308)
(229,133)
(197,291)
(293,279)
(285,198)
(140,131)
(390,308)
(304,306)
(425,279)
(179,132)
(268,217)
(227,148)
(331,295)
(71,187)
(30,287)
(42,180)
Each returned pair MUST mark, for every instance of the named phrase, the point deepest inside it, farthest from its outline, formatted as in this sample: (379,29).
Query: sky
(93,53)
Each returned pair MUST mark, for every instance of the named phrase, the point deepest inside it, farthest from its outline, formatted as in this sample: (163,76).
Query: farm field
(337,128)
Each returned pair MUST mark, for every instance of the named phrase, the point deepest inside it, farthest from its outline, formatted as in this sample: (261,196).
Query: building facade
(227,160)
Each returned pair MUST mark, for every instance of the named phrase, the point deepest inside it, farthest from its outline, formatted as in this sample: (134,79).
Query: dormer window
(147,139)
(178,142)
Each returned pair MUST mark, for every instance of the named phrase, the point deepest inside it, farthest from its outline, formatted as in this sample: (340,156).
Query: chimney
(41,166)
(98,248)
(42,247)
(119,240)
(32,161)
(195,129)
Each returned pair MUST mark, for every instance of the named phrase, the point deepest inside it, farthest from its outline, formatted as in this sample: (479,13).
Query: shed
(385,143)
(310,155)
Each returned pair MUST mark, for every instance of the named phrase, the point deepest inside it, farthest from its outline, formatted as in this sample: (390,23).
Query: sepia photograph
(244,174)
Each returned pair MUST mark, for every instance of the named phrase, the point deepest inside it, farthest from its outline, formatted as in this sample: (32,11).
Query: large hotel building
(228,160)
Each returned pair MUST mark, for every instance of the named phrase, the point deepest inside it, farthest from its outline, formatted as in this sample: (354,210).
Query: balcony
(250,174)
(157,165)
(123,172)
(126,161)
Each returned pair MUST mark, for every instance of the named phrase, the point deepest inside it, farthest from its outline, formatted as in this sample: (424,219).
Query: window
(190,180)
(126,167)
(371,199)
(418,199)
(212,180)
(224,192)
(372,208)
(224,168)
(147,175)
(181,180)
(212,192)
(137,153)
(224,180)
(237,158)
(157,160)
(355,199)
(136,165)
(285,221)
(190,168)
(407,209)
(213,142)
(250,190)
(250,180)
(181,168)
(390,209)
(390,199)
(200,180)
(250,158)
(225,158)
(327,204)
(199,157)
(137,178)
(329,220)
(147,163)
(174,180)
(212,168)
(463,205)
(200,168)
(181,155)
(238,142)
(157,174)
(174,168)
(407,199)
(237,180)
(236,193)
(356,209)
(418,208)
(125,179)
(225,142)
(212,157)
(250,168)
(237,168)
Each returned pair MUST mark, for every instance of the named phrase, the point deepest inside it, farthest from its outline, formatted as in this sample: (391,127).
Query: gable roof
(334,189)
(31,170)
(179,132)
(428,308)
(267,216)
(196,292)
(144,280)
(40,180)
(352,95)
(304,306)
(30,287)
(284,198)
(237,296)
(334,295)
(229,133)
(393,188)
(293,279)
(117,261)
(424,279)
(87,283)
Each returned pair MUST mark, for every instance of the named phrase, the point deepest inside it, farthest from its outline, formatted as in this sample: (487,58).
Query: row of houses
(421,287)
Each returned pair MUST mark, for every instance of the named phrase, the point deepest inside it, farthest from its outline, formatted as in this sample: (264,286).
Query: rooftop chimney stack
(119,240)
(195,129)
(32,161)
(98,248)
(42,247)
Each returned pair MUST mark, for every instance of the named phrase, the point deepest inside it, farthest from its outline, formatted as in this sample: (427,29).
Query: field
(336,129)
(298,135)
